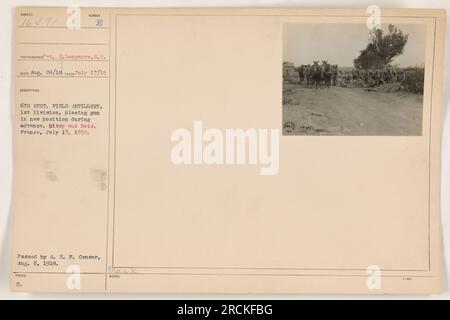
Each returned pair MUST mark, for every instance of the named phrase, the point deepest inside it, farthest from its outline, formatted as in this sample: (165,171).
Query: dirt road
(350,111)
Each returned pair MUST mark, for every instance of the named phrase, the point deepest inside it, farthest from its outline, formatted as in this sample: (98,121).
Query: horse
(316,74)
(326,73)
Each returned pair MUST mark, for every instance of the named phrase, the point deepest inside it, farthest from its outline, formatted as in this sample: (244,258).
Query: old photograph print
(346,79)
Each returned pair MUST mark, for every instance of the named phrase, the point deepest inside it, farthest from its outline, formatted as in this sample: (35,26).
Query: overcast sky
(341,43)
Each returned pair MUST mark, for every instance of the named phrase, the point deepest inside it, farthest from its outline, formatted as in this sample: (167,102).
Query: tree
(382,48)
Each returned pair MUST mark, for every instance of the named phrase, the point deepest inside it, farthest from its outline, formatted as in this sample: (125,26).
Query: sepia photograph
(347,79)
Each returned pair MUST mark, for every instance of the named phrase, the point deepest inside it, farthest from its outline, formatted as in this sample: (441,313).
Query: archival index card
(227,150)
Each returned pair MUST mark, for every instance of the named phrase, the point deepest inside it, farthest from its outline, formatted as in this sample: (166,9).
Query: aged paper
(227,150)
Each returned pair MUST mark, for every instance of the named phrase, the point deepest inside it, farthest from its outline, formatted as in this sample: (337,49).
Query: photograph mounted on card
(227,150)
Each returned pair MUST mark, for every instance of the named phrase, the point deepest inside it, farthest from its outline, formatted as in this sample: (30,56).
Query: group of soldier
(325,75)
(372,77)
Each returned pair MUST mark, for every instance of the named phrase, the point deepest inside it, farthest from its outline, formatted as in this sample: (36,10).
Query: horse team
(316,75)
